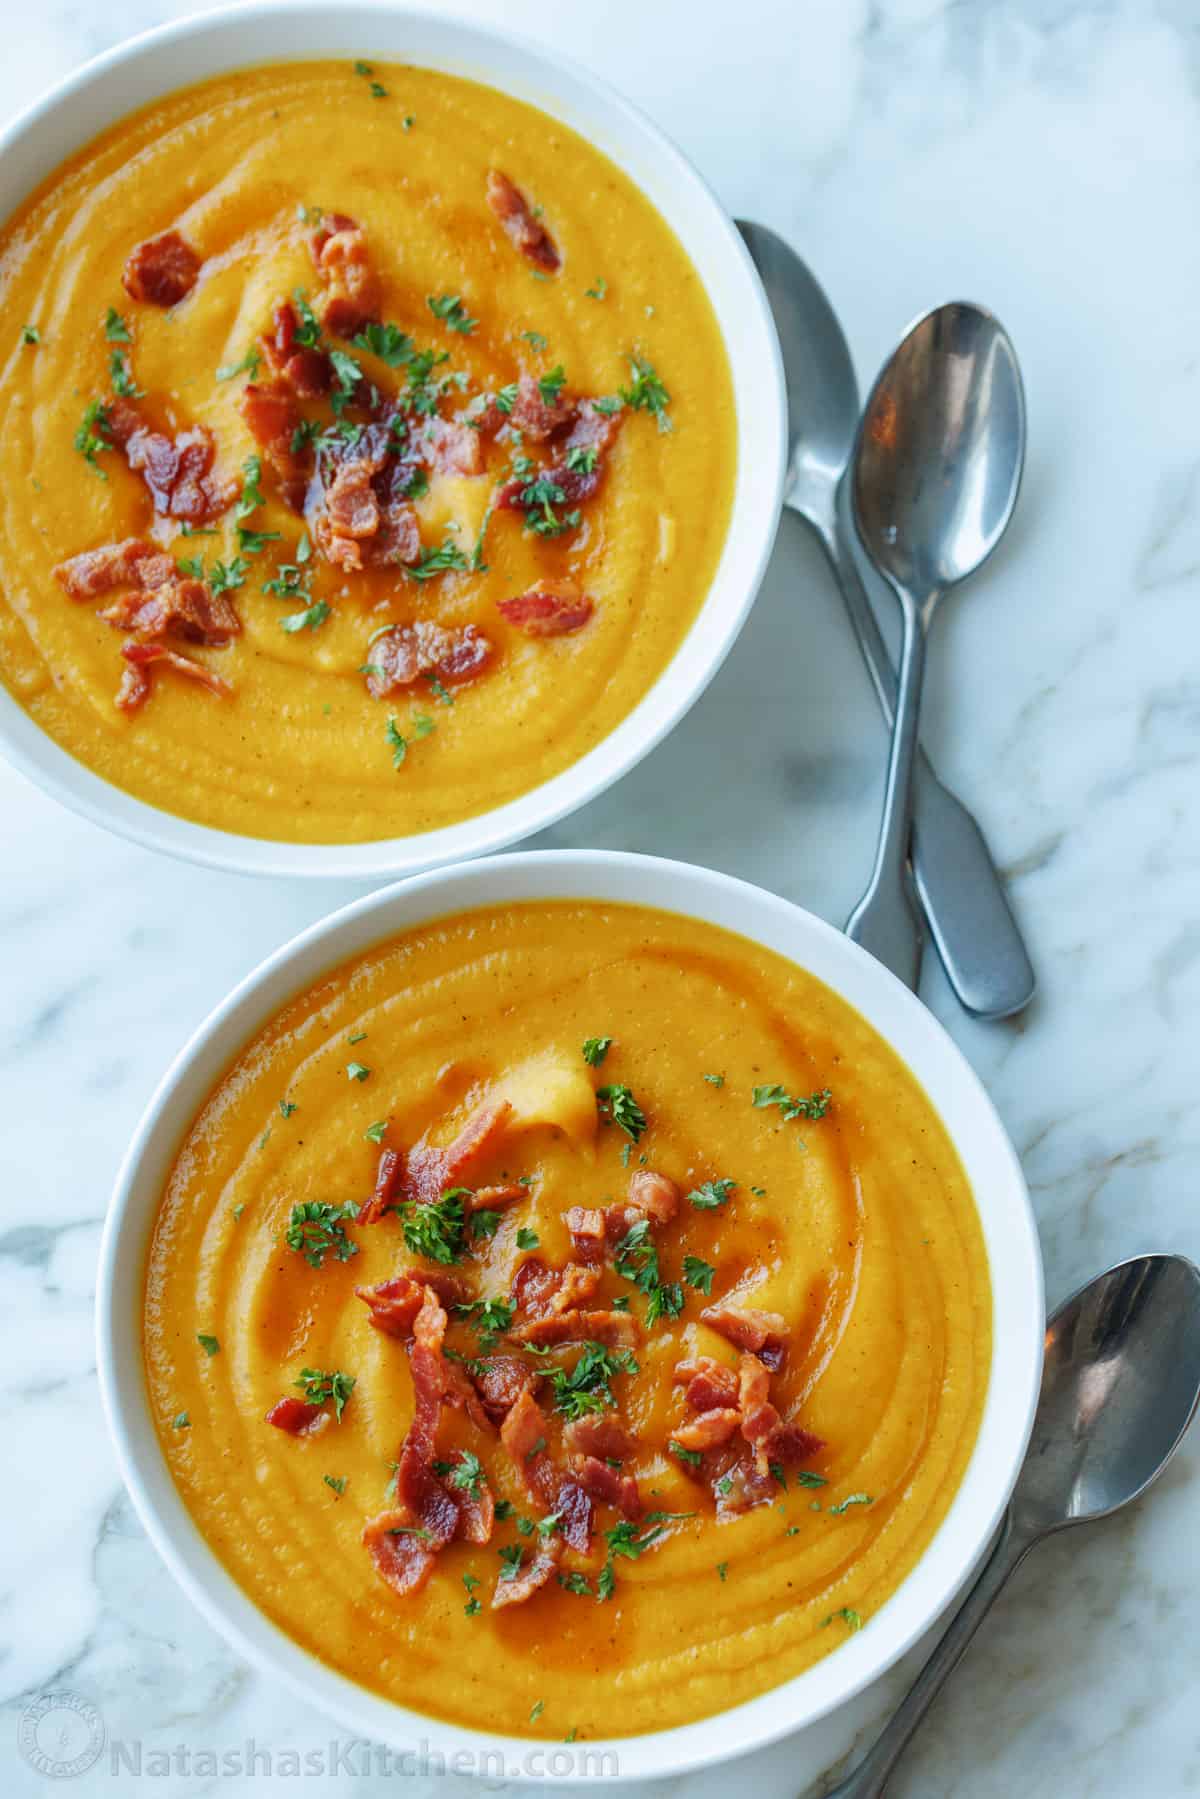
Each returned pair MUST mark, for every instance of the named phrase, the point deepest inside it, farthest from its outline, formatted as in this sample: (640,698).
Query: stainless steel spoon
(964,901)
(937,466)
(1120,1386)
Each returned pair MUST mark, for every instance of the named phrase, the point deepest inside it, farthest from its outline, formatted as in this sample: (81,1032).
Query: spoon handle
(962,895)
(875,1770)
(886,920)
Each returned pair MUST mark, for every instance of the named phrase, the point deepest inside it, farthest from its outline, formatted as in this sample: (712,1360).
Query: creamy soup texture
(381,434)
(568,1318)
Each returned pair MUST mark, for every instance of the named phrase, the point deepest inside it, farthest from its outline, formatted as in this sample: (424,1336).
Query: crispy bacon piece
(185,606)
(161,271)
(573,1504)
(521,227)
(476,1516)
(602,1437)
(523,1434)
(739,1485)
(350,513)
(400,1556)
(548,612)
(516,1588)
(708,1430)
(431,1170)
(607,1486)
(272,417)
(131,563)
(709,1384)
(791,1443)
(500,1381)
(579,470)
(616,1330)
(524,1428)
(404,653)
(544,1293)
(577,1284)
(450,447)
(342,256)
(654,1194)
(534,1285)
(305,369)
(387,1178)
(143,656)
(494,1199)
(177,470)
(589,1238)
(537,417)
(134,690)
(293,1415)
(395,1303)
(763,1334)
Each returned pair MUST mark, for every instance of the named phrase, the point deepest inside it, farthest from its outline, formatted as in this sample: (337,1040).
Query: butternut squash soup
(568,1318)
(367,448)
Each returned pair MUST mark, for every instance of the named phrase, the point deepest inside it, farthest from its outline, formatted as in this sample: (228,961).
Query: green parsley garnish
(598,292)
(320,1385)
(698,1274)
(247,366)
(715,1080)
(223,579)
(121,376)
(30,334)
(490,1317)
(450,309)
(115,328)
(691,1456)
(357,1071)
(527,1239)
(537,1711)
(437,562)
(287,1107)
(815,1106)
(434,1229)
(851,1499)
(595,1050)
(550,386)
(336,1481)
(309,619)
(374,1133)
(388,342)
(535,340)
(646,392)
(467,1473)
(618,1106)
(317,1229)
(711,1194)
(850,1618)
(92,437)
(586,1387)
(209,1345)
(181,1421)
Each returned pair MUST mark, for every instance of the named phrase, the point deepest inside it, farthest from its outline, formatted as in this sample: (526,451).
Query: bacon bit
(403,1559)
(351,511)
(131,563)
(738,1486)
(616,1330)
(494,1199)
(709,1384)
(791,1443)
(521,227)
(293,1415)
(450,447)
(601,1437)
(401,655)
(431,1170)
(536,417)
(534,1285)
(341,254)
(589,1235)
(273,418)
(188,606)
(591,430)
(544,612)
(607,1487)
(132,694)
(523,1434)
(577,1285)
(387,1178)
(500,1381)
(177,470)
(395,1303)
(134,690)
(763,1334)
(528,1579)
(654,1194)
(476,1516)
(573,1504)
(523,1428)
(709,1430)
(161,271)
(306,370)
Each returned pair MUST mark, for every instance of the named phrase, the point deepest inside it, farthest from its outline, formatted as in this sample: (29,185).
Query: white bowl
(953,1088)
(136,73)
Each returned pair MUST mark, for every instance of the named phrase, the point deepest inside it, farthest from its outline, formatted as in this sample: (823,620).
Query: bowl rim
(954,1090)
(628,136)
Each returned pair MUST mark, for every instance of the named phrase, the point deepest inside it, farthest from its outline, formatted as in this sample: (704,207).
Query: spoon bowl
(941,450)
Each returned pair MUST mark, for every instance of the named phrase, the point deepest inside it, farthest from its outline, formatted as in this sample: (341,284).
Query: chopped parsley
(115,328)
(336,1481)
(473,1606)
(851,1499)
(618,1106)
(348,374)
(437,561)
(318,1229)
(632,1540)
(586,1387)
(467,1473)
(286,1107)
(506,399)
(691,1456)
(576,1583)
(598,292)
(357,1071)
(386,341)
(646,392)
(121,376)
(320,1385)
(308,331)
(850,1618)
(711,1194)
(181,1421)
(715,1080)
(91,438)
(451,311)
(595,1050)
(527,1239)
(224,578)
(397,742)
(816,1105)
(312,617)
(208,1344)
(30,334)
(535,340)
(434,1228)
(537,1711)
(484,1224)
(512,1555)
(374,1133)
(698,1274)
(490,1317)
(582,459)
(550,386)
(247,366)
(666,1301)
(439,692)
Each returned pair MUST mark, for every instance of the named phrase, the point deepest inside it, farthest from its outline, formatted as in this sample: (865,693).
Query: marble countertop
(1038,155)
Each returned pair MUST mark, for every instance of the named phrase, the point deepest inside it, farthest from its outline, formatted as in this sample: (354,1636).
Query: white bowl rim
(620,877)
(567,90)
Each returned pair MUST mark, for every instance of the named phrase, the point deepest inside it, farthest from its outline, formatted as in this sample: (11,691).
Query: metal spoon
(937,466)
(969,917)
(1120,1386)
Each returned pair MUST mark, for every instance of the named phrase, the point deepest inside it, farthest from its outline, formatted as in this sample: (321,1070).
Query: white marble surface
(1039,155)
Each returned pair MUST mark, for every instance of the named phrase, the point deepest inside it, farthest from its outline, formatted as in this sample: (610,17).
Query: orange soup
(568,1318)
(367,443)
